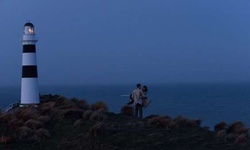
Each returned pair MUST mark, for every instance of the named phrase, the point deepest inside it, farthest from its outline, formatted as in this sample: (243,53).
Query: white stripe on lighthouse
(29,92)
(29,59)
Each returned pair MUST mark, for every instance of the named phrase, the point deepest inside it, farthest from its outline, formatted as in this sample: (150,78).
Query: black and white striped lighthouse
(29,88)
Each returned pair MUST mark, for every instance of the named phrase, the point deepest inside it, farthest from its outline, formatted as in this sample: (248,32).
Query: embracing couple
(139,98)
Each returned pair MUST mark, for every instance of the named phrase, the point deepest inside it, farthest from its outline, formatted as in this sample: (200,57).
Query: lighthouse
(29,85)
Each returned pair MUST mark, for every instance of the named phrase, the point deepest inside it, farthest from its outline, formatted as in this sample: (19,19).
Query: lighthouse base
(29,92)
(28,105)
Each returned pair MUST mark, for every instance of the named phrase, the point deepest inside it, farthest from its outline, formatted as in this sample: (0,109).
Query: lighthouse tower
(29,88)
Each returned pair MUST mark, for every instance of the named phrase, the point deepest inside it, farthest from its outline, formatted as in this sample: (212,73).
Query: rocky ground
(61,123)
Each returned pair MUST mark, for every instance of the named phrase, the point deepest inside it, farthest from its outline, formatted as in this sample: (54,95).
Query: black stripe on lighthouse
(29,72)
(29,48)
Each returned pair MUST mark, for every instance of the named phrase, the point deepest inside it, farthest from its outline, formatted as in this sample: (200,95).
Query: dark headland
(61,123)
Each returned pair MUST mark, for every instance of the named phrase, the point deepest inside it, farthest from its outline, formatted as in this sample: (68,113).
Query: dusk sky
(128,41)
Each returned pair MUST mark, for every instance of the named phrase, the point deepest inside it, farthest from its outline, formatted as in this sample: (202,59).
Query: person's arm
(143,95)
(133,95)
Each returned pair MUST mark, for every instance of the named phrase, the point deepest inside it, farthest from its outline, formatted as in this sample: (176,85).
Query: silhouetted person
(137,97)
(145,100)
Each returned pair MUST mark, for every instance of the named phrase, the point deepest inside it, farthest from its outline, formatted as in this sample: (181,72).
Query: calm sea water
(210,102)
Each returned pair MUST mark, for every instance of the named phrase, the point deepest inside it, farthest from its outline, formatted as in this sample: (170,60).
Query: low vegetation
(62,123)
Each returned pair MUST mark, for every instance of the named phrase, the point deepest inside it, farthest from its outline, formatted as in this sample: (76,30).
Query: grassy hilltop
(61,123)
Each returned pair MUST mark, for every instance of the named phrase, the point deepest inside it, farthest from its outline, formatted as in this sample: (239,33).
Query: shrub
(248,133)
(82,104)
(13,123)
(48,98)
(160,121)
(27,113)
(39,135)
(86,115)
(220,126)
(222,133)
(235,127)
(72,114)
(56,114)
(235,132)
(24,133)
(78,123)
(34,124)
(27,134)
(97,129)
(242,138)
(62,101)
(231,137)
(127,110)
(43,133)
(44,119)
(98,116)
(5,139)
(185,122)
(47,105)
(70,105)
(99,105)
(6,117)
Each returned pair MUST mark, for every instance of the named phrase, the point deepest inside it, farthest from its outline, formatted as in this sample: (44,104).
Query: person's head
(145,88)
(138,86)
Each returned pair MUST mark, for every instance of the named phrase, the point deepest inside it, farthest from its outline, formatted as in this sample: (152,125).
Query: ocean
(211,103)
